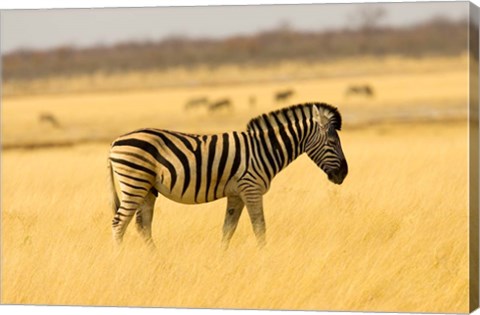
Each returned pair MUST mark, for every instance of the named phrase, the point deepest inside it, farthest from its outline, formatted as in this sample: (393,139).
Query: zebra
(239,165)
(366,90)
(284,95)
(196,102)
(223,103)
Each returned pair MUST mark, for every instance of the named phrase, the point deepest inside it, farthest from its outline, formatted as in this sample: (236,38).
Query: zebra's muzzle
(335,179)
(337,176)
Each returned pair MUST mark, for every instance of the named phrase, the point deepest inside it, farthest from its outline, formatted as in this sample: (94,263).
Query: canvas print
(288,157)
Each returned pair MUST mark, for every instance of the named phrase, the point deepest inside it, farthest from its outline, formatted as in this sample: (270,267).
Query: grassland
(393,237)
(431,88)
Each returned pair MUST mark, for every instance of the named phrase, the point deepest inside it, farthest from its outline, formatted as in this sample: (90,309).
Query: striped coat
(240,165)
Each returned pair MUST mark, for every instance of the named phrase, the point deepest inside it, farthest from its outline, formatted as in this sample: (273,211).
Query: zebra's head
(323,146)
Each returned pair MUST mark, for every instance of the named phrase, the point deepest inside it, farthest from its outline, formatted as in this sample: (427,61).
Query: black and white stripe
(195,169)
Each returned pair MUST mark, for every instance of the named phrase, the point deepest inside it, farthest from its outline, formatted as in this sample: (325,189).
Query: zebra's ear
(319,116)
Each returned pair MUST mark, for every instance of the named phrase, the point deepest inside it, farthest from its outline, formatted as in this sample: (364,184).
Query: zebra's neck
(274,145)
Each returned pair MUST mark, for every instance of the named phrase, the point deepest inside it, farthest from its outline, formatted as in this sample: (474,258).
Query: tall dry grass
(393,237)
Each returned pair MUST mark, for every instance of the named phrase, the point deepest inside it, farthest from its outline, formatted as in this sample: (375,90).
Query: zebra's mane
(294,114)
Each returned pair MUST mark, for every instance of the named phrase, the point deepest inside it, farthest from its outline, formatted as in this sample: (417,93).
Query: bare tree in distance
(285,26)
(367,17)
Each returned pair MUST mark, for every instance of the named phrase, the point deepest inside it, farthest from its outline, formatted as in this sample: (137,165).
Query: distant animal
(196,102)
(238,165)
(283,95)
(50,119)
(223,103)
(365,90)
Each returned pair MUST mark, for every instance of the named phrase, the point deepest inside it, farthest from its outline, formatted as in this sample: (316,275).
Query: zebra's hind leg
(144,218)
(129,205)
(234,210)
(255,211)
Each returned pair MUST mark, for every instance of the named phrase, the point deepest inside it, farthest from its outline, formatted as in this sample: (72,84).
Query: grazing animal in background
(365,90)
(193,169)
(196,102)
(283,96)
(50,119)
(223,103)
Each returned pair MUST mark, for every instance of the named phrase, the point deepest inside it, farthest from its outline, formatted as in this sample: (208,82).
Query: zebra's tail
(115,202)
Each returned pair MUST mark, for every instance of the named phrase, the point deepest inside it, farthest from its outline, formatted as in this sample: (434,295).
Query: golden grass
(393,237)
(400,85)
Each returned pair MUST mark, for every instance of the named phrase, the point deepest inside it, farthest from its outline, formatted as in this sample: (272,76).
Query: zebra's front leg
(234,210)
(255,211)
(144,219)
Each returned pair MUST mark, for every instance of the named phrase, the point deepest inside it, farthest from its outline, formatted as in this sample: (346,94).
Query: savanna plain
(392,237)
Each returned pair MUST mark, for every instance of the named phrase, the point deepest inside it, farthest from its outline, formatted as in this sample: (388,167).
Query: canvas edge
(2,270)
(473,41)
(473,165)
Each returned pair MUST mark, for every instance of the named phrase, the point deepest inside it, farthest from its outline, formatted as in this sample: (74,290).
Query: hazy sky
(43,29)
